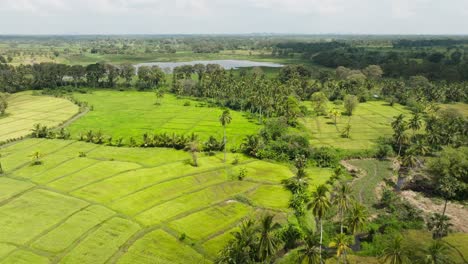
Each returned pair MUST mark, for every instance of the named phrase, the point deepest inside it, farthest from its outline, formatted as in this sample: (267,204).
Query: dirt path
(73,119)
(457,212)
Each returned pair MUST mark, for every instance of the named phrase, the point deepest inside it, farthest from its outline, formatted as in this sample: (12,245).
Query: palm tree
(439,224)
(415,122)
(311,252)
(335,113)
(36,158)
(241,249)
(409,159)
(395,252)
(225,119)
(398,122)
(437,253)
(341,242)
(268,242)
(399,126)
(320,204)
(342,200)
(159,96)
(193,147)
(357,217)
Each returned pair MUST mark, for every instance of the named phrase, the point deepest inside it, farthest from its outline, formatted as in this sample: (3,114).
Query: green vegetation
(202,164)
(132,114)
(24,110)
(121,203)
(370,121)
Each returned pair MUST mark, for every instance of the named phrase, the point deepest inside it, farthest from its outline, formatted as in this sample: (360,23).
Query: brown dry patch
(457,212)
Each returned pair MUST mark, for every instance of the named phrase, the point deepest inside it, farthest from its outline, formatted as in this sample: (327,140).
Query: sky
(233,16)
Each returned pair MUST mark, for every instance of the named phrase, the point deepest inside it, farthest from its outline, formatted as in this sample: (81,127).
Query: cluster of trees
(53,75)
(251,92)
(328,223)
(446,62)
(368,83)
(450,66)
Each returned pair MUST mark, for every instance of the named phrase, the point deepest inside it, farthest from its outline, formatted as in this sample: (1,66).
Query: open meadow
(25,110)
(131,114)
(369,121)
(88,203)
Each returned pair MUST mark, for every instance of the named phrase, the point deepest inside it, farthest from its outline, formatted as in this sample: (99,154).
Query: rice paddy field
(128,205)
(131,114)
(24,110)
(370,120)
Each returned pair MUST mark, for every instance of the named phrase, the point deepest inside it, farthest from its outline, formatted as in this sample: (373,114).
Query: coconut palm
(341,242)
(415,122)
(268,243)
(159,96)
(409,159)
(193,147)
(334,114)
(357,217)
(439,224)
(395,252)
(241,249)
(320,204)
(311,252)
(225,119)
(437,253)
(342,198)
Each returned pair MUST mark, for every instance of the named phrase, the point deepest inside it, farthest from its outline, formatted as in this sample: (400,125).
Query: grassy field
(128,205)
(369,121)
(24,110)
(131,114)
(375,171)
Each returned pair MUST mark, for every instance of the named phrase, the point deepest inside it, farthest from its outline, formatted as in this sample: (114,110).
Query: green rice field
(370,120)
(128,205)
(24,110)
(131,114)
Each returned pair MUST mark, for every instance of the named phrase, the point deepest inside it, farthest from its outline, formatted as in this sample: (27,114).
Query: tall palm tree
(415,122)
(268,242)
(225,119)
(437,253)
(341,242)
(193,147)
(310,253)
(357,217)
(320,204)
(342,198)
(395,252)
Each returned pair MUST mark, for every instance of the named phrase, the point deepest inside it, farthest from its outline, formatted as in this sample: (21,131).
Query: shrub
(325,157)
(243,199)
(212,144)
(182,237)
(384,151)
(242,174)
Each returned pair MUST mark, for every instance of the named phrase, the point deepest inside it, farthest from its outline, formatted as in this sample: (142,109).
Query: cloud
(234,16)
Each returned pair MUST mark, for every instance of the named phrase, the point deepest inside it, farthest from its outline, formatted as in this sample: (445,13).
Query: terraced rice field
(128,205)
(369,121)
(131,114)
(24,110)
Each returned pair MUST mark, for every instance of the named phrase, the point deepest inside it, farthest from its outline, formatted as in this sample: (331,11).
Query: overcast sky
(233,16)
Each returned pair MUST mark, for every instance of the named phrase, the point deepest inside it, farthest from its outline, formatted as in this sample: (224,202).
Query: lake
(226,64)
